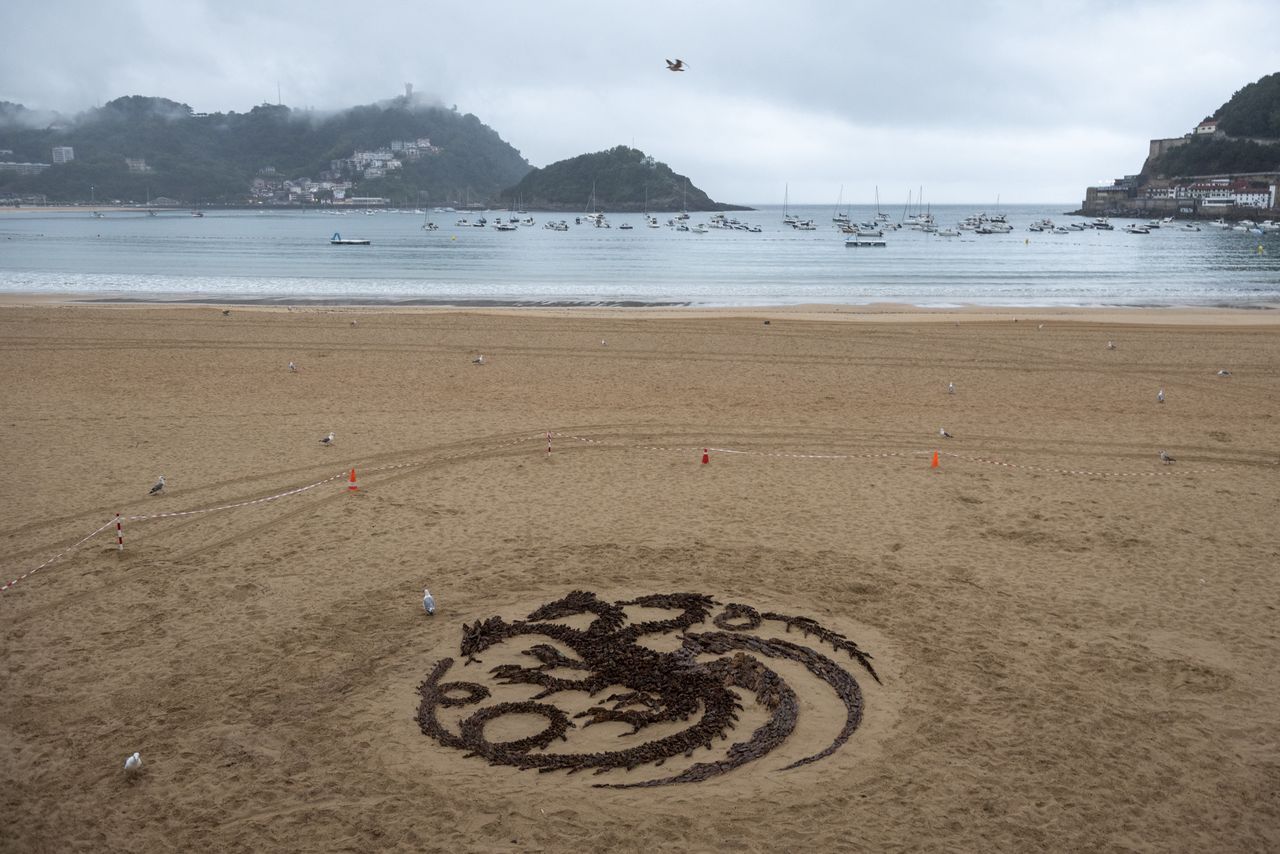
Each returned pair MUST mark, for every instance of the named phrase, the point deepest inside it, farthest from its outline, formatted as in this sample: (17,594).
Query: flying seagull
(133,764)
(1160,396)
(1224,373)
(159,487)
(327,440)
(678,65)
(1165,458)
(942,431)
(428,602)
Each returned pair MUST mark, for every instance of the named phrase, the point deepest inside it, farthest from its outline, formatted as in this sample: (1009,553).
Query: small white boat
(504,226)
(1137,229)
(860,243)
(339,240)
(1186,226)
(947,232)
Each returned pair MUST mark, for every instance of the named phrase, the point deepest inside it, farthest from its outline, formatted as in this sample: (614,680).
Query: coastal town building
(1215,195)
(137,164)
(63,154)
(23,168)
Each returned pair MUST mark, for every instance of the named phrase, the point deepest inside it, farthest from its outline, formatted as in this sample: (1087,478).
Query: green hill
(620,179)
(1253,111)
(213,158)
(1248,138)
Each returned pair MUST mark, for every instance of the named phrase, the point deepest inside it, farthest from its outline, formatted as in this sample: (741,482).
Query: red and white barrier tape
(67,550)
(586,440)
(278,495)
(1164,472)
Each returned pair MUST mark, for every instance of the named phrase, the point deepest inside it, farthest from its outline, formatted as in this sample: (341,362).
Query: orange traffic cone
(705,459)
(351,486)
(934,464)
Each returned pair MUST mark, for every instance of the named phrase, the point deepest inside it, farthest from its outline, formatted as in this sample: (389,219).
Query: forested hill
(213,158)
(620,179)
(1248,137)
(1254,111)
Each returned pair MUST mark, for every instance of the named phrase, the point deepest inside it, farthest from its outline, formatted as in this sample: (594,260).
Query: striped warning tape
(264,500)
(67,550)
(1166,471)
(602,442)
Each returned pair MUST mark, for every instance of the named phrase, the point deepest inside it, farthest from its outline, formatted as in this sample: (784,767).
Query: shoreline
(1257,314)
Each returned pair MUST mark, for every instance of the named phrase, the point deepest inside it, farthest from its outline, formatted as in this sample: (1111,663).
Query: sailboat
(840,217)
(787,218)
(650,219)
(684,201)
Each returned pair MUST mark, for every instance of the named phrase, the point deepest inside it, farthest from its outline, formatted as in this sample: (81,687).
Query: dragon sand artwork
(660,687)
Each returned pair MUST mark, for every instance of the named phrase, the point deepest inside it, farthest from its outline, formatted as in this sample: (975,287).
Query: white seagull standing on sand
(478,360)
(327,440)
(1160,396)
(428,602)
(293,369)
(159,487)
(1224,373)
(951,388)
(1165,458)
(1111,345)
(133,764)
(942,431)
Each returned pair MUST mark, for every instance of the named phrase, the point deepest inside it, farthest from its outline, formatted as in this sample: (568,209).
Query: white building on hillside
(63,154)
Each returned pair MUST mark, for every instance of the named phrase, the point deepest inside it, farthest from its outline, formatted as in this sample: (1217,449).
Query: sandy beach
(1075,643)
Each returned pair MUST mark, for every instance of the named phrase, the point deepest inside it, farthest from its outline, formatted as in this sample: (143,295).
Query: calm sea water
(265,255)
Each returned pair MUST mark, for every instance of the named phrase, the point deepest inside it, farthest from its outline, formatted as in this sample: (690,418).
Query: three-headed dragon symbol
(692,683)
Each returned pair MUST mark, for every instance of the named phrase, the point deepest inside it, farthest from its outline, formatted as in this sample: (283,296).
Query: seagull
(327,440)
(678,65)
(478,360)
(159,487)
(1224,373)
(604,343)
(951,388)
(428,602)
(1160,396)
(1111,345)
(1041,326)
(293,369)
(1165,458)
(942,431)
(353,323)
(226,312)
(133,764)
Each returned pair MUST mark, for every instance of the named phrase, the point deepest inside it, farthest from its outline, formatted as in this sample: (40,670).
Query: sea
(286,257)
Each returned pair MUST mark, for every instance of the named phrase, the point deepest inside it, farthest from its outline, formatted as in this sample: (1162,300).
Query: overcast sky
(1028,101)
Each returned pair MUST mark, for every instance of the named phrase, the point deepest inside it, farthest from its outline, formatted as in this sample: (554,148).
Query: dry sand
(1070,661)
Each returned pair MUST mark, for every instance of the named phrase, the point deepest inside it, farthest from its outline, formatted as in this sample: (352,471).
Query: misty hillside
(622,179)
(213,158)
